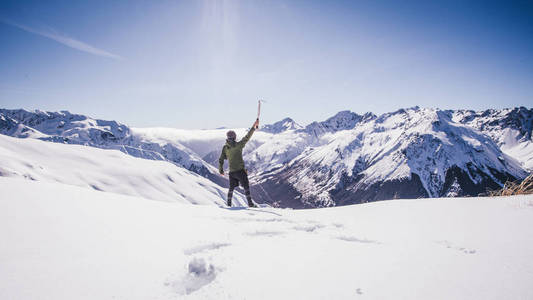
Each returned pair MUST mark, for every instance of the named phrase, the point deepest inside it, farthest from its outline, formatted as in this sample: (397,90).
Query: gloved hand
(256,124)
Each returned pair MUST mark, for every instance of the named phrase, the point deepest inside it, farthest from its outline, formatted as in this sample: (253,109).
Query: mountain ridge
(348,158)
(68,128)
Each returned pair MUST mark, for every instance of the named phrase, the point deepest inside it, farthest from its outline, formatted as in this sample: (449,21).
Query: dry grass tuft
(514,188)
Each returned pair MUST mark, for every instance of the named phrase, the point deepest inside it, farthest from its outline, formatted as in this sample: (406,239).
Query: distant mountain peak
(343,120)
(280,126)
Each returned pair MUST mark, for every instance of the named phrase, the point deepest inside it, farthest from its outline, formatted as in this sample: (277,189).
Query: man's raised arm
(247,137)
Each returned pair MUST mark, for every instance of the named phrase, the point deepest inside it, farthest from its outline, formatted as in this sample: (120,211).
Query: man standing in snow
(232,151)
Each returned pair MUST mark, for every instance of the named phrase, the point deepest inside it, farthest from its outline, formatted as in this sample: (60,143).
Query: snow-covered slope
(66,242)
(106,170)
(64,127)
(510,128)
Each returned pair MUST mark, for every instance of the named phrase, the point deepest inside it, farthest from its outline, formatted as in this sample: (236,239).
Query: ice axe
(259,108)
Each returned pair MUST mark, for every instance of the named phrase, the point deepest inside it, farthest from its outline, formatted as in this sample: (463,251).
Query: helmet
(231,135)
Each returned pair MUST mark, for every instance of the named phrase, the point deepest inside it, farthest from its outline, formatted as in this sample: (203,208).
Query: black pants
(234,179)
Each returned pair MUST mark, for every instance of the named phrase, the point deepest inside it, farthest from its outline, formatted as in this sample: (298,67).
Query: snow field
(67,242)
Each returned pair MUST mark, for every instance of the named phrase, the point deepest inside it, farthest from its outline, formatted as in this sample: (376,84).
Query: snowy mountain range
(409,153)
(64,127)
(351,158)
(348,158)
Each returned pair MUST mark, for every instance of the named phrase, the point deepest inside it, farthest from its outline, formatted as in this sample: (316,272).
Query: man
(232,151)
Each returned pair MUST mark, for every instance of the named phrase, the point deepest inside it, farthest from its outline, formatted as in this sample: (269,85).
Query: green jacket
(232,151)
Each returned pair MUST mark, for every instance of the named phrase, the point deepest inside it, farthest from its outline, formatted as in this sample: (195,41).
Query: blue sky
(204,63)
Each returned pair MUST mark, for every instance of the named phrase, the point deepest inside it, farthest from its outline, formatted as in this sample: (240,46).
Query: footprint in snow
(267,220)
(205,247)
(355,239)
(308,228)
(449,245)
(199,273)
(264,233)
(338,225)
